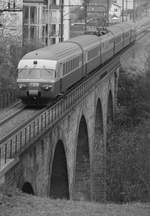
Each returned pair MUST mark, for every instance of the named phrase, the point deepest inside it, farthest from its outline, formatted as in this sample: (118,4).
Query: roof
(54,52)
(115,29)
(107,37)
(116,4)
(86,40)
(33,1)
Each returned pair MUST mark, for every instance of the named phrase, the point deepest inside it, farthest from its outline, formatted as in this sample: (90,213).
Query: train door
(61,65)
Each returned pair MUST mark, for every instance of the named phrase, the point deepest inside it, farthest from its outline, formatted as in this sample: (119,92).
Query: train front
(36,80)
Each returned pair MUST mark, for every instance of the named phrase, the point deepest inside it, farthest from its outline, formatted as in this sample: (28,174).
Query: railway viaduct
(67,159)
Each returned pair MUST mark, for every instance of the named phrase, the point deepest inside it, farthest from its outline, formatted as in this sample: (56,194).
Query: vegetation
(11,53)
(15,203)
(128,173)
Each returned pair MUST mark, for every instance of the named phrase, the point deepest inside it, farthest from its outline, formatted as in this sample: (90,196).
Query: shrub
(128,161)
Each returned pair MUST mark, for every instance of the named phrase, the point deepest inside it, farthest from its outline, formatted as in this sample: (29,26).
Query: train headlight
(22,85)
(46,86)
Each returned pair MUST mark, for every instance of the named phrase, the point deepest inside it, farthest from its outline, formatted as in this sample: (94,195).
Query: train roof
(126,27)
(86,40)
(106,37)
(54,52)
(115,30)
(120,28)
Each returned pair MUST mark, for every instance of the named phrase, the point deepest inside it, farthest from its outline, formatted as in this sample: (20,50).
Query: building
(43,20)
(11,20)
(59,21)
(34,22)
(115,13)
(133,9)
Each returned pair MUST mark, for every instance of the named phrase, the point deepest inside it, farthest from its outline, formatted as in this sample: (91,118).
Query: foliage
(10,54)
(129,164)
(9,57)
(128,161)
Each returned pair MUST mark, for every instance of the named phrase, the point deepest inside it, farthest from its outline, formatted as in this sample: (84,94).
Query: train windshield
(35,73)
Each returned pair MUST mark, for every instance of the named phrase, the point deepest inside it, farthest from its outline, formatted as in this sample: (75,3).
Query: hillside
(15,203)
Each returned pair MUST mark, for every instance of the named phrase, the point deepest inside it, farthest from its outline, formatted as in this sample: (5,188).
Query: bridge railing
(17,141)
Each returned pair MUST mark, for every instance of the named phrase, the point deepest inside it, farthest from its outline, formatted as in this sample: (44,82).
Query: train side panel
(70,79)
(107,47)
(93,58)
(72,71)
(91,51)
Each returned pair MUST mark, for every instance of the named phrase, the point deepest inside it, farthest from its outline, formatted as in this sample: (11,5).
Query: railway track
(18,117)
(10,112)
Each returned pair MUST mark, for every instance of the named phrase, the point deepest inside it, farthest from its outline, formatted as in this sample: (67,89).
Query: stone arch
(116,77)
(108,142)
(59,187)
(27,188)
(109,112)
(82,168)
(98,164)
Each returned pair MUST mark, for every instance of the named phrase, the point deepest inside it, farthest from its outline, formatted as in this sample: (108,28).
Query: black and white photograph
(74,107)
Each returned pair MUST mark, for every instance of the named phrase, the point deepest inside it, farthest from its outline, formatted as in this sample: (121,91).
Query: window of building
(33,15)
(53,2)
(25,32)
(46,41)
(60,28)
(32,32)
(26,14)
(53,40)
(53,29)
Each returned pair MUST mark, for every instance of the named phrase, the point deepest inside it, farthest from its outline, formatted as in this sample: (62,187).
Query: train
(48,72)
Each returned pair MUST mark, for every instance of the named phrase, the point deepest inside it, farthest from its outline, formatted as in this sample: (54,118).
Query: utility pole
(122,10)
(61,20)
(108,5)
(85,15)
(48,23)
(126,10)
(133,10)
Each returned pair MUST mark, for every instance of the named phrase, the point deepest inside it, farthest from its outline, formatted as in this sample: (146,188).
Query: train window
(111,41)
(48,73)
(118,39)
(36,73)
(63,68)
(93,53)
(72,64)
(126,34)
(67,67)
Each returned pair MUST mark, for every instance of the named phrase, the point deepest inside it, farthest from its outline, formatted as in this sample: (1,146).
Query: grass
(15,203)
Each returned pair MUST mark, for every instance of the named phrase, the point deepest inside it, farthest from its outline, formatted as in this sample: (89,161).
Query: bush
(10,54)
(129,164)
(128,161)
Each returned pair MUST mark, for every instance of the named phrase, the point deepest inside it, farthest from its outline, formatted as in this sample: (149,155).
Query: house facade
(42,21)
